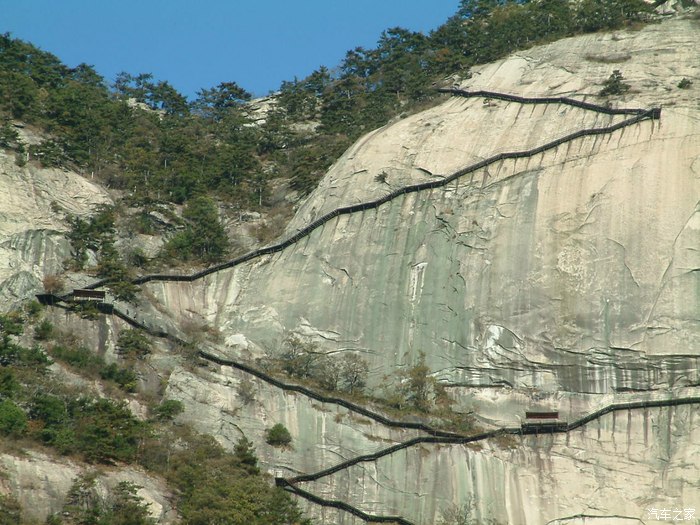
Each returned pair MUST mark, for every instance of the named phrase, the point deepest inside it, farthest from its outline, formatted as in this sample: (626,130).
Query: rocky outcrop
(563,281)
(33,202)
(40,484)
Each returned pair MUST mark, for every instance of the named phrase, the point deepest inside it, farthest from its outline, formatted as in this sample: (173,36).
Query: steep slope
(565,280)
(40,484)
(560,281)
(585,248)
(32,230)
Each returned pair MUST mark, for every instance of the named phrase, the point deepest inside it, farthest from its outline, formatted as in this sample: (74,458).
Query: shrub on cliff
(133,344)
(413,388)
(10,511)
(13,421)
(216,487)
(278,436)
(168,410)
(614,85)
(122,506)
(44,330)
(203,238)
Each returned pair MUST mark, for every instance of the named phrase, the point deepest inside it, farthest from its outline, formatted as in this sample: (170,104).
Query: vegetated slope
(139,135)
(556,281)
(155,150)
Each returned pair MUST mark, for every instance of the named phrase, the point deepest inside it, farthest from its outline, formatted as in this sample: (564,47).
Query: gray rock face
(40,483)
(620,466)
(32,242)
(567,280)
(573,270)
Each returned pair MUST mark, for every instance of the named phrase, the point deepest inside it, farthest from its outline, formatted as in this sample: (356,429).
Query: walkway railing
(639,115)
(435,436)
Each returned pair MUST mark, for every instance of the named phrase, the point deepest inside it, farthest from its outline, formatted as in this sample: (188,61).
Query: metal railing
(638,116)
(435,436)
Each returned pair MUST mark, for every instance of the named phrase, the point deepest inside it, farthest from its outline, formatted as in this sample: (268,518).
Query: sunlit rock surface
(565,281)
(33,205)
(575,270)
(41,483)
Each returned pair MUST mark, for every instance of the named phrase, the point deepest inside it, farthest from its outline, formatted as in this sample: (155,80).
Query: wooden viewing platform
(541,422)
(541,415)
(88,295)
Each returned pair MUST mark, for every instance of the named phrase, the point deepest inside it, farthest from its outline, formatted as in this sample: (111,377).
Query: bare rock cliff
(567,280)
(33,203)
(584,255)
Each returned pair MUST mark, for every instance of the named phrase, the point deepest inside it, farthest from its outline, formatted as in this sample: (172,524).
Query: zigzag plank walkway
(435,436)
(638,116)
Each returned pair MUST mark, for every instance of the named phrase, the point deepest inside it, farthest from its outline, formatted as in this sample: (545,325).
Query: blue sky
(196,44)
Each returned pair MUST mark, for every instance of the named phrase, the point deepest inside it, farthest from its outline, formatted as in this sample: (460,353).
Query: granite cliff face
(33,202)
(565,281)
(582,256)
(40,484)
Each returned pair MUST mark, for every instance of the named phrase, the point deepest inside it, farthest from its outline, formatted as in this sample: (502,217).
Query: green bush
(93,365)
(246,391)
(49,153)
(103,430)
(244,452)
(34,357)
(278,436)
(203,238)
(8,135)
(33,309)
(685,83)
(10,511)
(52,412)
(168,410)
(11,323)
(126,378)
(49,408)
(21,357)
(78,357)
(111,266)
(43,331)
(91,234)
(133,344)
(216,487)
(8,382)
(127,507)
(614,85)
(123,506)
(124,290)
(86,310)
(13,420)
(13,354)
